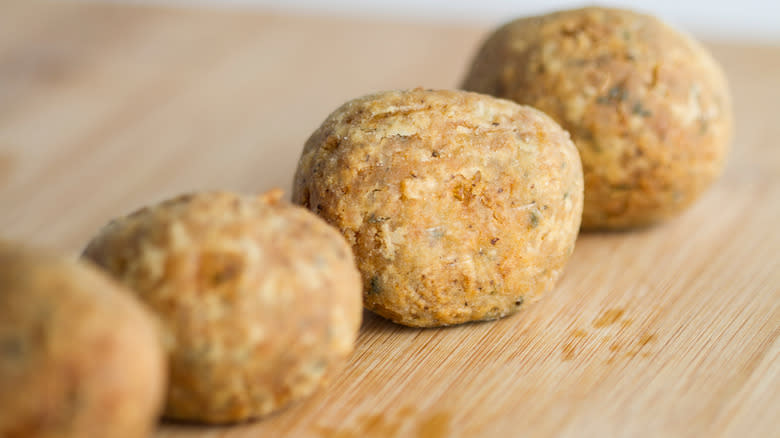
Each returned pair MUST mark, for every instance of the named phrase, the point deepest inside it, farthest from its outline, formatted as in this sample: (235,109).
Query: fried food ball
(257,298)
(79,355)
(647,106)
(459,206)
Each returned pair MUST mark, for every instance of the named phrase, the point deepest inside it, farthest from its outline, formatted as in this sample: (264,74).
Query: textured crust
(79,356)
(458,206)
(257,298)
(648,107)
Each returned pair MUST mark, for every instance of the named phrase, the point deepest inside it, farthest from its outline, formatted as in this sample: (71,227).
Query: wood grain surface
(667,331)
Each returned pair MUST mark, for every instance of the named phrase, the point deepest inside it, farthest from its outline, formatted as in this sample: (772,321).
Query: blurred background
(716,20)
(113,104)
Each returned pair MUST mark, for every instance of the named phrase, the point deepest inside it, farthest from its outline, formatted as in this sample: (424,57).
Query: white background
(740,20)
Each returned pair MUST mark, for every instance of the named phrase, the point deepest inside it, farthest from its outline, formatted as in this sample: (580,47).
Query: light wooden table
(670,331)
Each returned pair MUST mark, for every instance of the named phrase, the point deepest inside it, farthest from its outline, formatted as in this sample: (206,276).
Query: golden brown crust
(257,298)
(79,356)
(458,206)
(648,108)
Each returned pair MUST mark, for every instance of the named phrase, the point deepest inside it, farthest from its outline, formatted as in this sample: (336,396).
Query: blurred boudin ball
(458,206)
(646,105)
(79,355)
(258,299)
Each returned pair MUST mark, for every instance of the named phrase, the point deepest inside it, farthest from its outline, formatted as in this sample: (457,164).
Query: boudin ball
(79,355)
(646,105)
(258,299)
(459,206)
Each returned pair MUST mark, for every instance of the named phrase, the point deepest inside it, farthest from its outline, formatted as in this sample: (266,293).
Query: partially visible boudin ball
(459,206)
(257,298)
(646,105)
(79,356)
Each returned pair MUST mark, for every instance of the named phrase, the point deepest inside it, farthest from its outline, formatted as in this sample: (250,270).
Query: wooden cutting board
(668,331)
